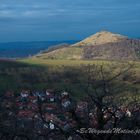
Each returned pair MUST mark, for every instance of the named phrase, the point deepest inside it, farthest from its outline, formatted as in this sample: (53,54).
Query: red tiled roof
(50,90)
(26,113)
(82,105)
(32,97)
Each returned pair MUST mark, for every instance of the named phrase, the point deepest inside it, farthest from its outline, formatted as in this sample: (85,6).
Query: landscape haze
(69,70)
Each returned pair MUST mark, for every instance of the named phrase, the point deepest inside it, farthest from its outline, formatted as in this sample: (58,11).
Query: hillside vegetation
(40,74)
(64,67)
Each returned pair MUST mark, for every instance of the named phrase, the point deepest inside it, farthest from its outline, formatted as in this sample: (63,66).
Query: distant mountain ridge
(24,49)
(102,45)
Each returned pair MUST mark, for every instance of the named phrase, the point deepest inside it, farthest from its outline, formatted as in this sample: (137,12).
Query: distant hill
(102,45)
(55,47)
(101,38)
(25,49)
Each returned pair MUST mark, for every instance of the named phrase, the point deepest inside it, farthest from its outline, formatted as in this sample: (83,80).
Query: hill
(102,45)
(101,38)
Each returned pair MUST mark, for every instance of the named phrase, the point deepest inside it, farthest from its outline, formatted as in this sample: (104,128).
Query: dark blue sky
(36,20)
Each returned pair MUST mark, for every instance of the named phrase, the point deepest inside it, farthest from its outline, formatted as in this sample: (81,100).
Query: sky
(46,20)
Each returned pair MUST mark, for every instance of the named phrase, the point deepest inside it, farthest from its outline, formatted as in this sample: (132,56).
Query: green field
(47,62)
(40,74)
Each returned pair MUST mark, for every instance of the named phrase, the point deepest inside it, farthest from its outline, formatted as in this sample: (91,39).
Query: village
(21,111)
(36,113)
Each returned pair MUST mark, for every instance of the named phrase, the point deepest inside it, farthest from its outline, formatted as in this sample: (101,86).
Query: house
(20,105)
(33,99)
(64,94)
(24,94)
(36,94)
(50,98)
(32,106)
(51,125)
(49,107)
(50,95)
(26,114)
(49,92)
(65,103)
(41,95)
(82,110)
(128,113)
(81,106)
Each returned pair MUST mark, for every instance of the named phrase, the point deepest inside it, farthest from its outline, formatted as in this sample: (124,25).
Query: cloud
(77,16)
(51,8)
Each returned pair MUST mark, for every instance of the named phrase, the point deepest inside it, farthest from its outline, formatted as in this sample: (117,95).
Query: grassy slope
(63,53)
(34,73)
(14,75)
(47,62)
(132,79)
